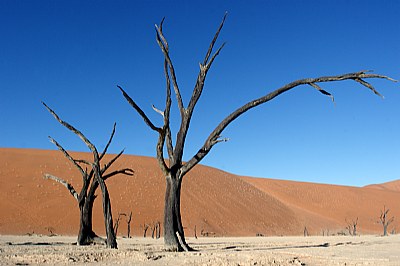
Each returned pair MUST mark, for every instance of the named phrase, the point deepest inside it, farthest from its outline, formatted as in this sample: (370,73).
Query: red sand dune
(213,201)
(392,185)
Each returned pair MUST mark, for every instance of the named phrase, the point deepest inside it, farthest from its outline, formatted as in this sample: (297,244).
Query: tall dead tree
(384,220)
(173,168)
(92,179)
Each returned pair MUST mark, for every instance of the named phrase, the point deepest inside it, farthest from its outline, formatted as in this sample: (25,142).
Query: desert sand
(215,203)
(328,250)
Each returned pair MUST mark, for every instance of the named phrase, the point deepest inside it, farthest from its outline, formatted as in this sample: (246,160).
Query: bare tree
(128,221)
(305,232)
(157,230)
(352,227)
(173,168)
(117,221)
(91,181)
(145,228)
(385,220)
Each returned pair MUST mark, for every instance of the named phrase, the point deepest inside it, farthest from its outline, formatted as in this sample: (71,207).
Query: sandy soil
(213,201)
(332,250)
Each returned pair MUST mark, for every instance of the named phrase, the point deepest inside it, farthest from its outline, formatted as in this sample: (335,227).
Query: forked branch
(162,42)
(210,142)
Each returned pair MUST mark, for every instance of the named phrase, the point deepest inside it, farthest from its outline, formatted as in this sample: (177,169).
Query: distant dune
(213,201)
(392,185)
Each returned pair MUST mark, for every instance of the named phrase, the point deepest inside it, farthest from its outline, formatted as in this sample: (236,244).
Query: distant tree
(155,230)
(384,220)
(305,232)
(128,221)
(91,180)
(173,168)
(145,228)
(117,221)
(352,227)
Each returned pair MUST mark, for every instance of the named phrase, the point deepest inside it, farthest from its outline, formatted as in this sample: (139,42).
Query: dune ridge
(214,202)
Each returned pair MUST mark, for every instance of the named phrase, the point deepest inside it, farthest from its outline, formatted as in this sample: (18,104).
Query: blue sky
(72,54)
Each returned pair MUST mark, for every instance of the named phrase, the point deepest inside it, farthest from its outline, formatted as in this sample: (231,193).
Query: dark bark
(86,235)
(174,235)
(175,169)
(170,219)
(128,221)
(145,228)
(108,220)
(96,177)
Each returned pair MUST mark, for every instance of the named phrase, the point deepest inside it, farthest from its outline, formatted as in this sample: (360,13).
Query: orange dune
(213,201)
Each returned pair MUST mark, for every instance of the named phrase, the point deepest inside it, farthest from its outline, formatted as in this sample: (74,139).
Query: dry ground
(328,250)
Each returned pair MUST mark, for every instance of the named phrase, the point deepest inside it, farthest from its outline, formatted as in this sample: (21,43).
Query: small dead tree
(305,232)
(145,228)
(158,230)
(352,227)
(384,220)
(92,179)
(173,167)
(128,221)
(117,221)
(155,230)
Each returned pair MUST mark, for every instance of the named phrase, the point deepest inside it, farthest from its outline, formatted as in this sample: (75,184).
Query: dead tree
(352,227)
(173,168)
(92,179)
(157,230)
(384,220)
(128,221)
(116,225)
(153,230)
(305,232)
(145,228)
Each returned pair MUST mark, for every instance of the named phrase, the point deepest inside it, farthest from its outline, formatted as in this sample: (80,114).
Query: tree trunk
(174,236)
(111,239)
(86,234)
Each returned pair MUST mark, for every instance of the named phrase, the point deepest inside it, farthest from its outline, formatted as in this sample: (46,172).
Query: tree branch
(125,171)
(210,48)
(322,91)
(106,166)
(210,142)
(109,142)
(162,42)
(157,110)
(140,111)
(73,129)
(64,183)
(69,157)
(167,112)
(197,91)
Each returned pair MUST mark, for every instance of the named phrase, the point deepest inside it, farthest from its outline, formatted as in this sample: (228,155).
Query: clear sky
(72,54)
